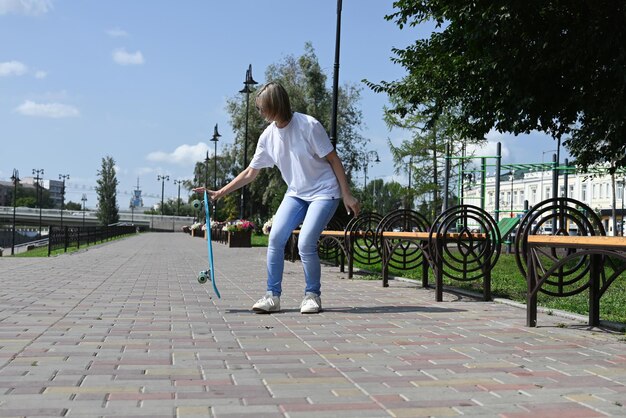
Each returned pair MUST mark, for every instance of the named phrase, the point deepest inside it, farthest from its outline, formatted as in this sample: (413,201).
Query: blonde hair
(273,99)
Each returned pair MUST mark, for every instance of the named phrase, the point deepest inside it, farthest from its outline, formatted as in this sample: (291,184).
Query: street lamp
(542,172)
(15,178)
(37,191)
(216,136)
(178,182)
(512,177)
(84,199)
(622,184)
(367,162)
(247,89)
(63,177)
(409,200)
(333,116)
(162,179)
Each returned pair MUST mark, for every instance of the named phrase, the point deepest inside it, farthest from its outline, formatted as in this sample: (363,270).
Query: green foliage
(216,174)
(173,207)
(43,251)
(107,194)
(26,201)
(259,240)
(73,206)
(382,197)
(546,65)
(420,156)
(27,197)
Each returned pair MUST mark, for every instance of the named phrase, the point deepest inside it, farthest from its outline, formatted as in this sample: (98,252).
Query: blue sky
(146,81)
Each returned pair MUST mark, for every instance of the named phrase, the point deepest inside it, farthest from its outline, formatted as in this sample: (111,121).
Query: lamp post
(622,184)
(196,217)
(333,116)
(37,191)
(162,180)
(206,170)
(247,89)
(178,182)
(543,153)
(216,136)
(367,162)
(63,177)
(623,187)
(15,178)
(84,199)
(409,200)
(512,177)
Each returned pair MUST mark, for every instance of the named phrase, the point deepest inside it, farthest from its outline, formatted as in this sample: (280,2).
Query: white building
(536,186)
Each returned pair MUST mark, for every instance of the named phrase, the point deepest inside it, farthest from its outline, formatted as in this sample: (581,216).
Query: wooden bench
(591,254)
(438,250)
(463,256)
(563,265)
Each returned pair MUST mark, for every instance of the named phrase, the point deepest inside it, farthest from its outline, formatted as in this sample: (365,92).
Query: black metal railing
(70,236)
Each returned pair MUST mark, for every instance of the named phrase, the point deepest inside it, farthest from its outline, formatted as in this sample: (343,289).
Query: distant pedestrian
(299,146)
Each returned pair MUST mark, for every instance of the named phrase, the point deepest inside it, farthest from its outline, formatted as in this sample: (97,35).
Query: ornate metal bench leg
(531,296)
(594,289)
(438,275)
(487,280)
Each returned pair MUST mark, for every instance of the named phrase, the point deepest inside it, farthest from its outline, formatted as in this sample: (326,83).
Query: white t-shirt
(298,150)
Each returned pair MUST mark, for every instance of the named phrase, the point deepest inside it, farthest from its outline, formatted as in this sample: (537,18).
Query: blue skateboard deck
(209,274)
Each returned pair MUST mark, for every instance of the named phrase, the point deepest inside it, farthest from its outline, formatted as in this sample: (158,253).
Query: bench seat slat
(575,241)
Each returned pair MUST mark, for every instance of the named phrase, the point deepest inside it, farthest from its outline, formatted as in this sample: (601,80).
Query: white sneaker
(311,304)
(267,304)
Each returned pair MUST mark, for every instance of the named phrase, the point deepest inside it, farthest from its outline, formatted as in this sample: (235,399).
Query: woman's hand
(353,207)
(213,194)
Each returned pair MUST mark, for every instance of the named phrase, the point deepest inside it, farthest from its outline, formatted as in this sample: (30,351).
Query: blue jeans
(314,216)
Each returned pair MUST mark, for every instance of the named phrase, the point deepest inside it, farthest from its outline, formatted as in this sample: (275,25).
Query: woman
(299,146)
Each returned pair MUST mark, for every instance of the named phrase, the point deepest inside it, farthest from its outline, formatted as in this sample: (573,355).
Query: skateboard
(209,274)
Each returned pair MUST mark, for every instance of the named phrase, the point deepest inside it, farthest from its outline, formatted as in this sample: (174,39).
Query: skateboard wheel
(202,277)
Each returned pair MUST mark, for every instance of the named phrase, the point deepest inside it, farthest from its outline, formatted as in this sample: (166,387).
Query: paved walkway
(124,329)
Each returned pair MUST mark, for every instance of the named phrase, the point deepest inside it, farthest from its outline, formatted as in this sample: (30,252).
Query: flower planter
(240,239)
(197,233)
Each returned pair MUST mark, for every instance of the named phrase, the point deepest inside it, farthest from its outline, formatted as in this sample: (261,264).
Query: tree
(172,207)
(382,197)
(107,193)
(73,206)
(305,81)
(26,196)
(227,168)
(518,66)
(420,156)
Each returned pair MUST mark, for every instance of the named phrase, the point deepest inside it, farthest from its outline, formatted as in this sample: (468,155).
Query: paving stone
(124,330)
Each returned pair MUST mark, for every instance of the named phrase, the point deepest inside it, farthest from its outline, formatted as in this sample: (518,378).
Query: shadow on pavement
(390,309)
(361,310)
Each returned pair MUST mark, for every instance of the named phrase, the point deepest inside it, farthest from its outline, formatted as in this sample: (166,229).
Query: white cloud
(12,68)
(117,33)
(123,57)
(16,68)
(488,149)
(25,7)
(183,155)
(47,110)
